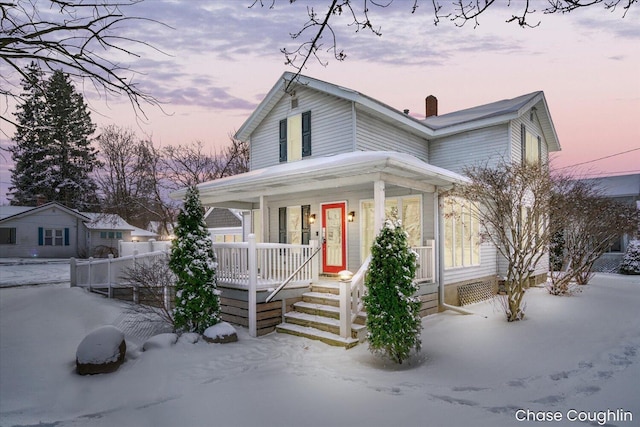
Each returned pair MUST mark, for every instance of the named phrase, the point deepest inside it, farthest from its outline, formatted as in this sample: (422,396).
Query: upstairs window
(295,137)
(531,147)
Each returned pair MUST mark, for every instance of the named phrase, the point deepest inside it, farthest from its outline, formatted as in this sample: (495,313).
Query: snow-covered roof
(139,232)
(13,212)
(431,127)
(620,185)
(347,169)
(102,221)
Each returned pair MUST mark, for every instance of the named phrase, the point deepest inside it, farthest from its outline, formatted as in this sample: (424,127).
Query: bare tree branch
(76,36)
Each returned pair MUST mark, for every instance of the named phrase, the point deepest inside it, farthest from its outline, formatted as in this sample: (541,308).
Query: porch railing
(275,263)
(426,269)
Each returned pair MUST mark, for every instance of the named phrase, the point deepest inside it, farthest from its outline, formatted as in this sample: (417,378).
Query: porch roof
(331,172)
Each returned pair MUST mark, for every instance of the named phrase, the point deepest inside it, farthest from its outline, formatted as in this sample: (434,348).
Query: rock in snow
(160,341)
(100,352)
(220,333)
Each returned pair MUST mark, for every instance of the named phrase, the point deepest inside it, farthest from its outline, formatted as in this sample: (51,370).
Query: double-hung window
(461,234)
(531,146)
(295,137)
(53,236)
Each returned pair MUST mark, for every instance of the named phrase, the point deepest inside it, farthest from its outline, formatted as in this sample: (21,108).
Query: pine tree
(29,150)
(393,311)
(53,155)
(631,260)
(193,262)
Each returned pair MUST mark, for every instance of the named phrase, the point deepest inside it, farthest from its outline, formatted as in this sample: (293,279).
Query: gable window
(531,146)
(53,236)
(461,234)
(295,137)
(8,236)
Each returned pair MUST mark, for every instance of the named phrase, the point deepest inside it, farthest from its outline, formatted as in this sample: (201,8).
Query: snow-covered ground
(33,271)
(572,356)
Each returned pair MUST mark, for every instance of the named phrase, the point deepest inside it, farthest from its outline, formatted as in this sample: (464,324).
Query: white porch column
(378,206)
(264,219)
(253,284)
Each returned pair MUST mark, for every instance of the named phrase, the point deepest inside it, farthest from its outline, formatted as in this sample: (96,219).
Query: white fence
(129,248)
(108,272)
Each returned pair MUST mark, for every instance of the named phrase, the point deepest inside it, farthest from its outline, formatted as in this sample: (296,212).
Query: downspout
(440,260)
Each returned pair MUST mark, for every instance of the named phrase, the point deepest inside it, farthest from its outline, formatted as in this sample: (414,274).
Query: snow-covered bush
(393,311)
(631,261)
(193,262)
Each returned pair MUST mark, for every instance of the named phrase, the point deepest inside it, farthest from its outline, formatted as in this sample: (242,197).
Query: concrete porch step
(316,334)
(322,298)
(326,287)
(317,309)
(323,323)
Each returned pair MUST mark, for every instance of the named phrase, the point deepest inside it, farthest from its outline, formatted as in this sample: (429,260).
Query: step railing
(294,274)
(351,293)
(426,268)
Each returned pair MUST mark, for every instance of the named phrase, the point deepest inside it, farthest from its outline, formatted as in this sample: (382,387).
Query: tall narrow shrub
(193,262)
(393,310)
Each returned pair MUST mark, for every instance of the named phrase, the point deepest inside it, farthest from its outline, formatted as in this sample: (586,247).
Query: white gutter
(440,262)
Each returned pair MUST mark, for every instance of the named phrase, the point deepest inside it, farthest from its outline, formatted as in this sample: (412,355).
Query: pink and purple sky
(222,58)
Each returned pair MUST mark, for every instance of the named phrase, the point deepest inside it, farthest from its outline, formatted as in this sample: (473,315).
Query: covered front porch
(320,216)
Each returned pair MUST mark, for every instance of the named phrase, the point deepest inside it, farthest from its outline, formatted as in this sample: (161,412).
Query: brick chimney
(40,199)
(431,104)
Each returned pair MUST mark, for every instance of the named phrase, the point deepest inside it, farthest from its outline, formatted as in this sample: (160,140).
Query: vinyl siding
(471,148)
(487,267)
(373,134)
(331,127)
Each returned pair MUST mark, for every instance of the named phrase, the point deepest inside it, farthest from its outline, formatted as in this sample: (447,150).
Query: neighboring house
(48,231)
(52,230)
(624,189)
(225,225)
(329,164)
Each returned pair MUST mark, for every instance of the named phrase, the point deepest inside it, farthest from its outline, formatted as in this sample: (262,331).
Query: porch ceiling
(348,171)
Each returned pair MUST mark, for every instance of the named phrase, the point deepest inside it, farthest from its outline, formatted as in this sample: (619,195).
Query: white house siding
(27,244)
(471,148)
(331,127)
(372,134)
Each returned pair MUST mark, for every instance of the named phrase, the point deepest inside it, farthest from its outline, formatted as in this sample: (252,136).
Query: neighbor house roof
(222,218)
(102,221)
(139,232)
(432,127)
(13,212)
(352,168)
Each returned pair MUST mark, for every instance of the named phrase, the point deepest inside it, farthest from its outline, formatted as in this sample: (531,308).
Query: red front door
(334,246)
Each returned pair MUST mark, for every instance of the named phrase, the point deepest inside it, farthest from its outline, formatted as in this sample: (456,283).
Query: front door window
(334,245)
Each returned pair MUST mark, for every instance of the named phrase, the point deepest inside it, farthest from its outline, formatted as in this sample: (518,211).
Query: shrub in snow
(631,261)
(193,262)
(393,312)
(221,333)
(101,351)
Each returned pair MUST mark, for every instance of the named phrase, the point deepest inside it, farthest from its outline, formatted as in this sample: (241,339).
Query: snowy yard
(578,353)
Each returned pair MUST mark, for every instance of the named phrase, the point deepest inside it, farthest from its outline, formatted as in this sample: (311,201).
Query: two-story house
(329,164)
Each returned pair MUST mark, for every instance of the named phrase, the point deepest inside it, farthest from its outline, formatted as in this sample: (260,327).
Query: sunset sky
(221,58)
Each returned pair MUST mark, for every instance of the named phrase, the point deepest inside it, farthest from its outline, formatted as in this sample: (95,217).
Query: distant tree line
(57,158)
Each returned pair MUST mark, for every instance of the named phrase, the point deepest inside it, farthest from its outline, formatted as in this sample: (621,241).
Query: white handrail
(351,299)
(292,275)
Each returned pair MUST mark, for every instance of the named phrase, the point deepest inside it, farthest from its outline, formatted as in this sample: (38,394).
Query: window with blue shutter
(40,236)
(66,237)
(306,134)
(283,140)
